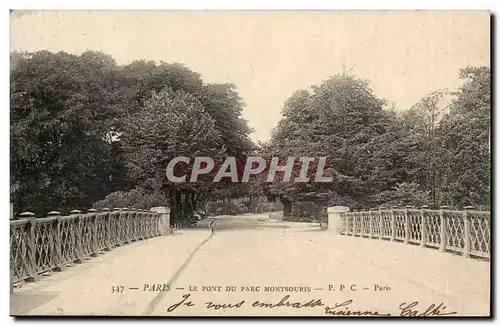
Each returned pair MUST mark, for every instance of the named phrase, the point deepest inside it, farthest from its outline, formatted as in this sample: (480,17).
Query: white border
(256,4)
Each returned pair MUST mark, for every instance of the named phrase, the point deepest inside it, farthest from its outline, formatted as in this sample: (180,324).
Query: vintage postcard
(250,163)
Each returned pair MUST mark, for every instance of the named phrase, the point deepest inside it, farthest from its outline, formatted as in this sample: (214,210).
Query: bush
(137,198)
(231,207)
(307,211)
(408,193)
(262,205)
(239,206)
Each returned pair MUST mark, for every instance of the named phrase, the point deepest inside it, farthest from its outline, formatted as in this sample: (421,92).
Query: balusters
(126,225)
(363,222)
(381,223)
(407,224)
(371,222)
(72,238)
(95,236)
(107,229)
(31,265)
(466,231)
(393,223)
(423,229)
(346,223)
(78,235)
(354,223)
(442,229)
(58,260)
(117,229)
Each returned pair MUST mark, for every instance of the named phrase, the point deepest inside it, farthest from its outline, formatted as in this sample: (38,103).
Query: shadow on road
(244,227)
(23,303)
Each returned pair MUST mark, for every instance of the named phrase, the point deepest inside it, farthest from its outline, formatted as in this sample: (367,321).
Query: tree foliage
(83,127)
(438,154)
(465,142)
(62,111)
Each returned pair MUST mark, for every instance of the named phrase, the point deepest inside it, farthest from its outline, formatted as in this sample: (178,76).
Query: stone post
(334,222)
(164,219)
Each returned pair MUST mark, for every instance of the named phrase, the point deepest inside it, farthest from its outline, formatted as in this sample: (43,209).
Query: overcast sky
(270,55)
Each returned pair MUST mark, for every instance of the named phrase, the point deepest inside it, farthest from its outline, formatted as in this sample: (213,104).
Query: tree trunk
(199,203)
(252,205)
(193,201)
(188,208)
(287,207)
(173,203)
(226,206)
(178,205)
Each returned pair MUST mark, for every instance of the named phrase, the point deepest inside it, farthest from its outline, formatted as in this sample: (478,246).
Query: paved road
(274,268)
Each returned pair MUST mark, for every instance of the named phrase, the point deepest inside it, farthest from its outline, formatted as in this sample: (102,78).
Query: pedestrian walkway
(87,288)
(264,262)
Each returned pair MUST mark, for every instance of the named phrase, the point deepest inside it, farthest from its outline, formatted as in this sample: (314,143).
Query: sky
(269,55)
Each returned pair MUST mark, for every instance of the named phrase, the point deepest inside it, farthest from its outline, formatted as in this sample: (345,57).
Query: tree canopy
(431,154)
(84,128)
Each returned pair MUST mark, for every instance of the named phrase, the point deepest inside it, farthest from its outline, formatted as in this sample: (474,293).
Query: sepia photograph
(257,163)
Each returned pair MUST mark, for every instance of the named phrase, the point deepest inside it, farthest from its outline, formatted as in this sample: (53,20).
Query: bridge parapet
(164,219)
(467,232)
(41,245)
(335,214)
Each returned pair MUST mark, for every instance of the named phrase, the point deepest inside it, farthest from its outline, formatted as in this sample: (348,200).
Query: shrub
(239,206)
(262,205)
(137,198)
(409,193)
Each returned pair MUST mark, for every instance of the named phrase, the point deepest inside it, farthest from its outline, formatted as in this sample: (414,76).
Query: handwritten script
(345,308)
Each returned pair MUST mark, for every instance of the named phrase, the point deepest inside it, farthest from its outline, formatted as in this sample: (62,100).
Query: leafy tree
(224,105)
(406,193)
(340,119)
(172,123)
(83,127)
(422,123)
(465,141)
(220,101)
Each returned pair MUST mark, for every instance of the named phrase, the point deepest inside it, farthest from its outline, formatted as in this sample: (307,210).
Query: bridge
(412,262)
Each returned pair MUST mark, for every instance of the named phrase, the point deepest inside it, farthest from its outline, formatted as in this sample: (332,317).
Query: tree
(62,110)
(72,129)
(425,118)
(171,123)
(341,119)
(220,101)
(465,141)
(224,105)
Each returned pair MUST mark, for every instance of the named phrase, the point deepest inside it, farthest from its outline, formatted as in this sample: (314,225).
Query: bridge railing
(467,232)
(39,245)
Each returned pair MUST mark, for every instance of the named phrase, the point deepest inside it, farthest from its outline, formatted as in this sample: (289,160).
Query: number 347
(117,289)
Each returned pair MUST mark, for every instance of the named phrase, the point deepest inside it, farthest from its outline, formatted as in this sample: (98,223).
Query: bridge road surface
(253,251)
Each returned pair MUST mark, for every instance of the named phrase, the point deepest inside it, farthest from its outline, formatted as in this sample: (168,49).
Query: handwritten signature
(342,309)
(338,309)
(409,310)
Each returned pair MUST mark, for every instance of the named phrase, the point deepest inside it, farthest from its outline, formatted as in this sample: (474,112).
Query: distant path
(252,251)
